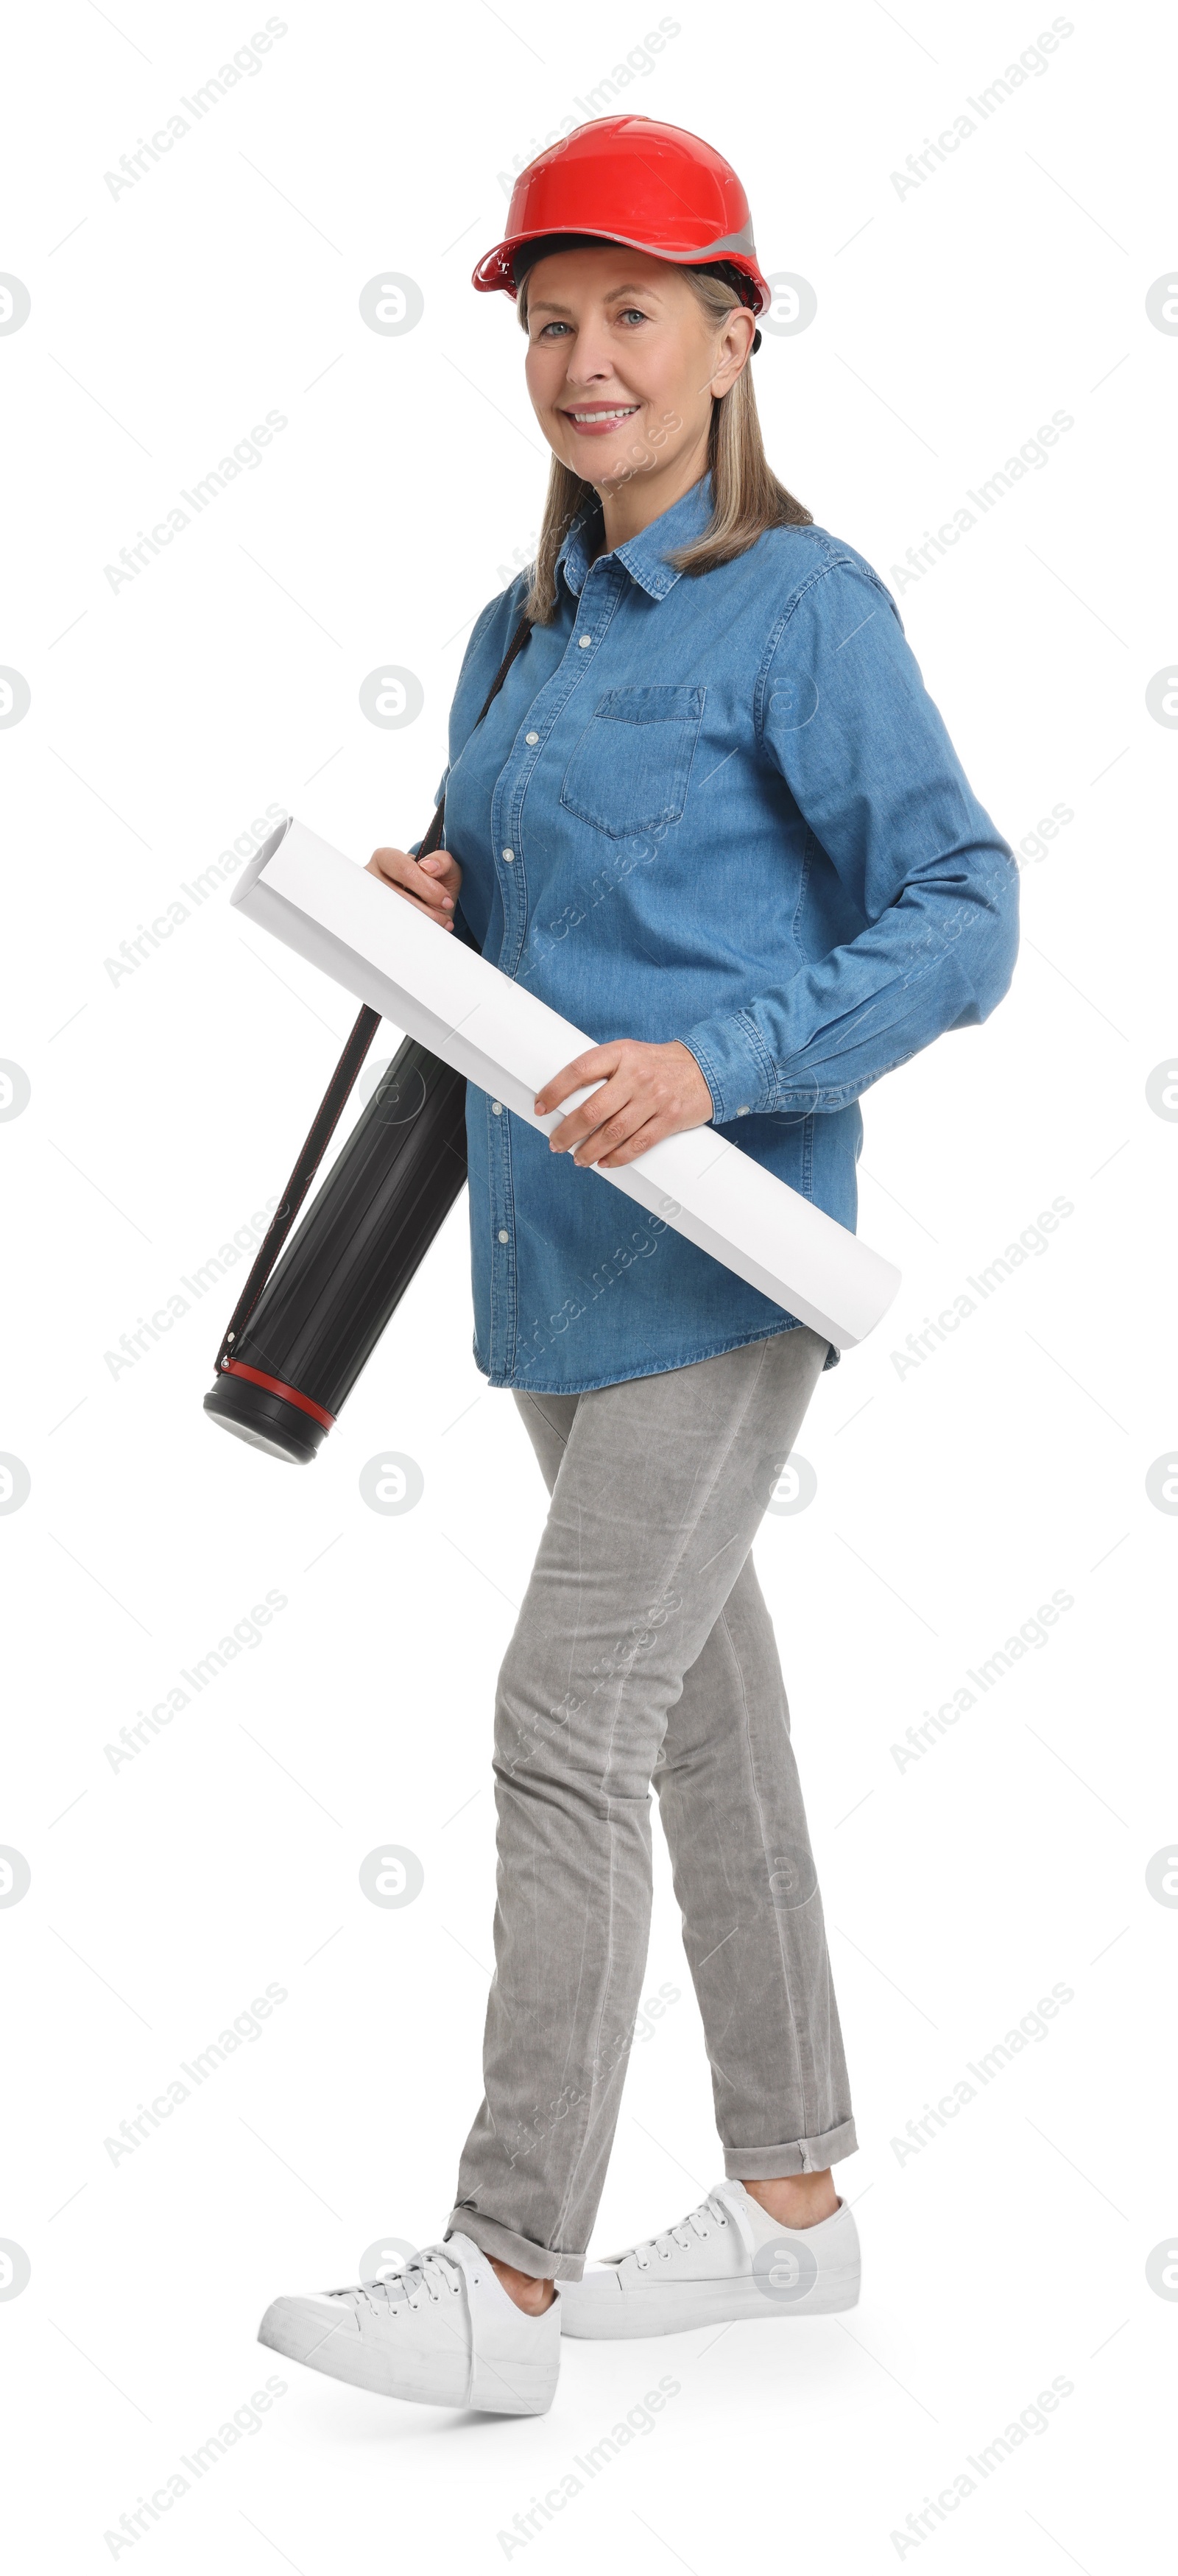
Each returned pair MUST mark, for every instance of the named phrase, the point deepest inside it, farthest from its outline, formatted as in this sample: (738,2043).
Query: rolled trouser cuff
(507,2247)
(803,2155)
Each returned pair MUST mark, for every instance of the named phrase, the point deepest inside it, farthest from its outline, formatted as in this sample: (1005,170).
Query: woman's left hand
(646,1093)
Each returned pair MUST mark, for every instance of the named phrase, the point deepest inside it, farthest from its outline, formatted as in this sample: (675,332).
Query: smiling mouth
(602,419)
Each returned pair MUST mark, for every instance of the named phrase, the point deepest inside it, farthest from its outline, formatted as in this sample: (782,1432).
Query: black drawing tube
(347,1267)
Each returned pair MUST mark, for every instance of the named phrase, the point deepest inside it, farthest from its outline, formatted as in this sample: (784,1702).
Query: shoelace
(431,2271)
(711,2213)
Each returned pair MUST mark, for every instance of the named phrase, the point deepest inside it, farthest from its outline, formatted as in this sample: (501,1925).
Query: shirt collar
(643,556)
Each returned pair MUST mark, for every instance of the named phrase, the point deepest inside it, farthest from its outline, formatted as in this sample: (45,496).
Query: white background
(952,1498)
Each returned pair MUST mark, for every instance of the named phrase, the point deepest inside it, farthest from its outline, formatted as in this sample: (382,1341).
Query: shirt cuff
(740,1076)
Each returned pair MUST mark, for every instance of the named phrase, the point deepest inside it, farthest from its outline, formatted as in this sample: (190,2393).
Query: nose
(590,359)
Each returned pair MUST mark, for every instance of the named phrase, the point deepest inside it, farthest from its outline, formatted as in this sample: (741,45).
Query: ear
(735,342)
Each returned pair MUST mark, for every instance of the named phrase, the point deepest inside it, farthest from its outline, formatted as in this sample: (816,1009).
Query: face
(623,363)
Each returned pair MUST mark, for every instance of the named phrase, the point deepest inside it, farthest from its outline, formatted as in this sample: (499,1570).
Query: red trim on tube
(274,1386)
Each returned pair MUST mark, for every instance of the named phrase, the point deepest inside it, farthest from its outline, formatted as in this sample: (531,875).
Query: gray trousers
(644,1651)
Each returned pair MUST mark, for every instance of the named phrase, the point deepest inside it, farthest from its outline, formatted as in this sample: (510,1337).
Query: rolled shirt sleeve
(842,712)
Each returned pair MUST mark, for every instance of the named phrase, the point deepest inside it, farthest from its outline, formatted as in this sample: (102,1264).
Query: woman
(713,818)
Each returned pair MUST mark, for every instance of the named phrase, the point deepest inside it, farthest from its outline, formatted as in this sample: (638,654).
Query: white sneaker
(726,2259)
(443,2331)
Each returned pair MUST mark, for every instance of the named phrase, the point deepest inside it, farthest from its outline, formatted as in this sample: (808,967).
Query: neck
(629,506)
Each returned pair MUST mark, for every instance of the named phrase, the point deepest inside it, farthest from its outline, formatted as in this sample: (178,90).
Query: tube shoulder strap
(328,1114)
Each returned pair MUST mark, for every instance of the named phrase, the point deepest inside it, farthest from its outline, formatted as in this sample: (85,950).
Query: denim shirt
(719,808)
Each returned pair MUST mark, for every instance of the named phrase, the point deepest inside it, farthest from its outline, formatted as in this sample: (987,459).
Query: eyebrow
(542,304)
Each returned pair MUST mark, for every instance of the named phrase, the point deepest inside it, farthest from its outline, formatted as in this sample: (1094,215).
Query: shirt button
(504,1236)
(743,1110)
(531,737)
(497,1106)
(509,855)
(583,640)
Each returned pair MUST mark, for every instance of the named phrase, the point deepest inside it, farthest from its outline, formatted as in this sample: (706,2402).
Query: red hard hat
(624,179)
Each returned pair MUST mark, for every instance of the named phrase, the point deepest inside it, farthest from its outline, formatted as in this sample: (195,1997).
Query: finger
(395,868)
(399,866)
(639,1143)
(610,1136)
(603,1103)
(443,876)
(432,889)
(391,866)
(590,1067)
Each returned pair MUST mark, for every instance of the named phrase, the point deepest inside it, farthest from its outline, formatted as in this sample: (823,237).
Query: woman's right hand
(432,885)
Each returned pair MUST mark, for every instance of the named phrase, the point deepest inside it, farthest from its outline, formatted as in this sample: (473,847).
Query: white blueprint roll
(507,1042)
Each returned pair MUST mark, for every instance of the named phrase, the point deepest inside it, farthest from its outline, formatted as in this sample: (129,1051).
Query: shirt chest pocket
(631,768)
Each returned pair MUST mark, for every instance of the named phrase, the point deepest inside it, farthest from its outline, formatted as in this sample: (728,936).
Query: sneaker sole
(295,2328)
(627,2317)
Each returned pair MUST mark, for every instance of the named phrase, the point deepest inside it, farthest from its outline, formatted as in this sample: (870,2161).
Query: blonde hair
(746,495)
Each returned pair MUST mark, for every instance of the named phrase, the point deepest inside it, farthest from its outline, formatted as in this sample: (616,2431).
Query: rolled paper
(509,1044)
